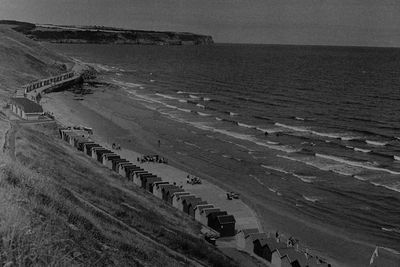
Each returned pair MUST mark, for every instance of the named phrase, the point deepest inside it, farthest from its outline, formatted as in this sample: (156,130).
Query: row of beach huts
(208,215)
(269,248)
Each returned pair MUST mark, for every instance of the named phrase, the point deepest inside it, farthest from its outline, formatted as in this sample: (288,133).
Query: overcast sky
(332,22)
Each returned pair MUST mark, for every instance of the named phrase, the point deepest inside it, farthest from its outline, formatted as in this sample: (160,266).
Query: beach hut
(225,225)
(101,152)
(82,142)
(204,214)
(169,192)
(151,182)
(88,148)
(115,162)
(290,257)
(154,187)
(106,159)
(157,189)
(137,178)
(121,167)
(183,199)
(242,235)
(264,247)
(94,151)
(129,169)
(249,241)
(175,197)
(165,190)
(192,204)
(212,218)
(148,182)
(199,208)
(79,141)
(25,108)
(144,177)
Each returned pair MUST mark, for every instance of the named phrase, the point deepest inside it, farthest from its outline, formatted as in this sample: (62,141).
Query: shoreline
(63,106)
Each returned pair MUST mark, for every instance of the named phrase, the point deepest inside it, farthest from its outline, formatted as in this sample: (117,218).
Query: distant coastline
(105,35)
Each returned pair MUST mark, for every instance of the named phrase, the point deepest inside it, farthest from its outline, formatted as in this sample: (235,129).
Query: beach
(117,119)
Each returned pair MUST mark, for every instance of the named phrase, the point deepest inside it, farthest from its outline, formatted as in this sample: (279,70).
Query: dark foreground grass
(64,209)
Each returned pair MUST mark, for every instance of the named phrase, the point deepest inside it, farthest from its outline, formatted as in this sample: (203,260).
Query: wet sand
(115,118)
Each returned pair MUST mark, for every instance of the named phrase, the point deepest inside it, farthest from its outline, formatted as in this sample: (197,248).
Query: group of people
(116,146)
(152,158)
(192,180)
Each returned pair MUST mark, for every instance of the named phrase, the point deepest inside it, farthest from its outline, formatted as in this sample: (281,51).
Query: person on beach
(159,143)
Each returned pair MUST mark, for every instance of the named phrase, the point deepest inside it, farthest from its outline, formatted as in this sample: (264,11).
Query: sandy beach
(137,130)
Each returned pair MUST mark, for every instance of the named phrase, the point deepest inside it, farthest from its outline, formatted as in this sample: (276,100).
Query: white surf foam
(257,179)
(274,169)
(201,106)
(361,150)
(246,125)
(203,114)
(304,178)
(375,143)
(311,199)
(356,164)
(167,96)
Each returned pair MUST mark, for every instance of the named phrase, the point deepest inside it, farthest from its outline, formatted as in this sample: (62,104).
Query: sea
(323,121)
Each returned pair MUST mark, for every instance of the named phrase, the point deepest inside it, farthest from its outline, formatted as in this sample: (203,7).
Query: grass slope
(61,208)
(23,60)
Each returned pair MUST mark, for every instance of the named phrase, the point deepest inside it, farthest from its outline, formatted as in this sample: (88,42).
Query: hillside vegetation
(23,60)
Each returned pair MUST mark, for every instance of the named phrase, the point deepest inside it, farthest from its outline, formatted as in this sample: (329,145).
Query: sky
(311,22)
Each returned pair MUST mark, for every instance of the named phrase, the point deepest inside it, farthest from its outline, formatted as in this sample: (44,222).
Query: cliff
(106,35)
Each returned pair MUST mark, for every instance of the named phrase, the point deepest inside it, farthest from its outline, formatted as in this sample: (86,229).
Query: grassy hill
(23,60)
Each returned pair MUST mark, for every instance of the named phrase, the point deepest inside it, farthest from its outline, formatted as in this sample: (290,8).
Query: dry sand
(244,215)
(115,118)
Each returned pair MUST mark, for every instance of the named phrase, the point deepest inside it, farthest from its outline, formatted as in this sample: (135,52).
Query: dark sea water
(325,120)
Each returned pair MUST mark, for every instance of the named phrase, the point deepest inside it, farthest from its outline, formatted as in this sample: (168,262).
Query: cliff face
(107,35)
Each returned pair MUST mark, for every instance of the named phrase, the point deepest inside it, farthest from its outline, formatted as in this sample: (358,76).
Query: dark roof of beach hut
(125,164)
(103,151)
(271,243)
(132,167)
(293,255)
(186,197)
(226,219)
(27,105)
(195,201)
(119,160)
(150,180)
(256,236)
(208,211)
(91,145)
(173,189)
(215,214)
(145,174)
(247,232)
(203,206)
(112,157)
